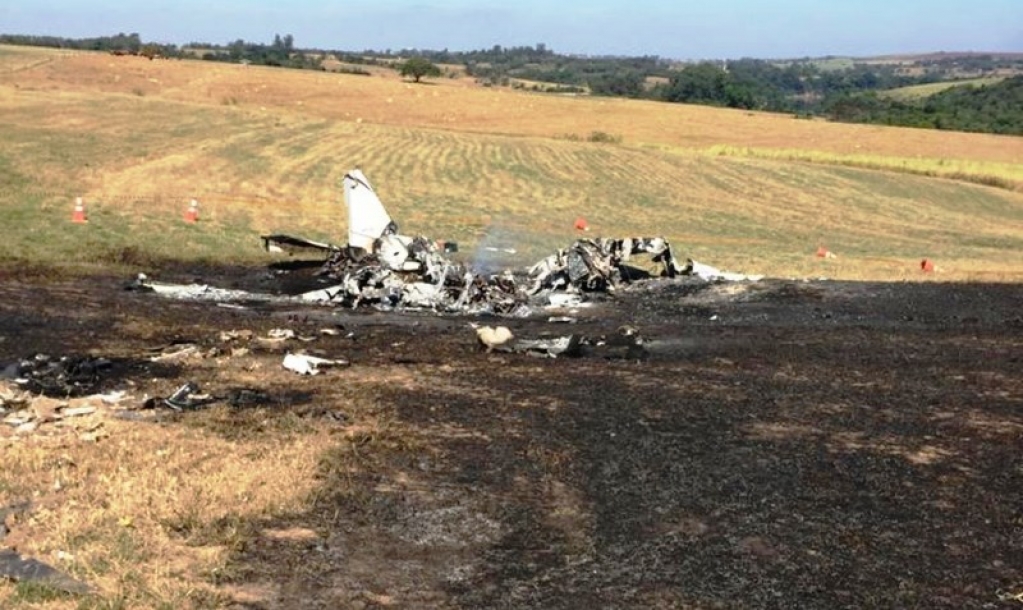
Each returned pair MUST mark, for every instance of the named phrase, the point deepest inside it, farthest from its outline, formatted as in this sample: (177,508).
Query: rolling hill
(264,149)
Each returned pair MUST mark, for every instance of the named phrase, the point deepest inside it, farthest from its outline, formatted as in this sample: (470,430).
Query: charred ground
(783,444)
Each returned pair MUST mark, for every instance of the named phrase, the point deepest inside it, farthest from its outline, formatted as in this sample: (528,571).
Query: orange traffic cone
(192,213)
(580,224)
(927,266)
(78,215)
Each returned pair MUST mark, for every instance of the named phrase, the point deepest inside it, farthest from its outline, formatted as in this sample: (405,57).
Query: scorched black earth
(777,445)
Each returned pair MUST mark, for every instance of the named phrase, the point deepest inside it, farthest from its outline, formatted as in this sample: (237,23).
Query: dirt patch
(782,445)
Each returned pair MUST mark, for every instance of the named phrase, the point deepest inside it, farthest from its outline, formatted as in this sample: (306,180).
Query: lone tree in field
(418,67)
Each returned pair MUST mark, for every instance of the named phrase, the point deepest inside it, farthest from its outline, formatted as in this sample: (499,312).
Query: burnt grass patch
(778,478)
(786,445)
(781,459)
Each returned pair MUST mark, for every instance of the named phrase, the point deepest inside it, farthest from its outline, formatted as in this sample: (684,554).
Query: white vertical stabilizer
(367,218)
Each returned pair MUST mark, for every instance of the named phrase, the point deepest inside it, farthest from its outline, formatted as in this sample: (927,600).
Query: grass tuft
(28,592)
(602,137)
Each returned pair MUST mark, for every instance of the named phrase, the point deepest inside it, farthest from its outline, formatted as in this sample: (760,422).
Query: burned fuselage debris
(64,376)
(625,344)
(592,265)
(383,268)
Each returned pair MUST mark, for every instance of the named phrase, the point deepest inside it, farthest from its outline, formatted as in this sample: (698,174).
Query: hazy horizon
(725,30)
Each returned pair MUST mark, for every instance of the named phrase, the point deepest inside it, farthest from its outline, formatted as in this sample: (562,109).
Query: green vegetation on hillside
(996,108)
(917,92)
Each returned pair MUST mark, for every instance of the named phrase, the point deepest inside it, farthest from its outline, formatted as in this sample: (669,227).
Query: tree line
(129,44)
(280,53)
(839,90)
(849,91)
(996,108)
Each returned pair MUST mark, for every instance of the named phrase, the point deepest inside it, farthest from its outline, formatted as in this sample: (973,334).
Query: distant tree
(150,51)
(286,44)
(418,67)
(625,83)
(703,83)
(709,83)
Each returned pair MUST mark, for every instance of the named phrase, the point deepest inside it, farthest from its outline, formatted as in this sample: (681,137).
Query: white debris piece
(393,251)
(551,347)
(367,218)
(202,292)
(712,273)
(186,351)
(564,299)
(323,295)
(111,398)
(304,364)
(232,335)
(421,294)
(492,337)
(77,411)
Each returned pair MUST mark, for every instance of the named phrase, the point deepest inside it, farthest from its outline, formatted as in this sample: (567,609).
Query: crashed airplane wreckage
(383,268)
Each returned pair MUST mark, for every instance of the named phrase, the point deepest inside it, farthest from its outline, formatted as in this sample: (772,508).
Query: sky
(672,29)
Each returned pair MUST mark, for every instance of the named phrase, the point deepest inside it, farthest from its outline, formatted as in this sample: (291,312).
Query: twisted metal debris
(382,268)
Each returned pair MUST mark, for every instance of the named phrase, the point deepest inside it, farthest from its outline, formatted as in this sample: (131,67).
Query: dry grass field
(916,92)
(746,458)
(264,149)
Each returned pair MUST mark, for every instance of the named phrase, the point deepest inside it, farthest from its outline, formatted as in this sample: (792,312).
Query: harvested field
(452,106)
(264,149)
